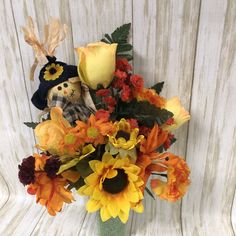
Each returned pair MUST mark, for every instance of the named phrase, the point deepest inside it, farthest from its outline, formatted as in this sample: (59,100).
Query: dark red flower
(125,93)
(110,101)
(120,74)
(102,114)
(123,64)
(26,171)
(137,82)
(144,130)
(103,92)
(120,78)
(133,123)
(168,141)
(170,121)
(52,166)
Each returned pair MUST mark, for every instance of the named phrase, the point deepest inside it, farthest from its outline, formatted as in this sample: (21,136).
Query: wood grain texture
(161,37)
(211,151)
(189,44)
(233,214)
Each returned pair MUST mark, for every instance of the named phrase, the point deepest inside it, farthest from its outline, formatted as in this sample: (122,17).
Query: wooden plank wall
(189,44)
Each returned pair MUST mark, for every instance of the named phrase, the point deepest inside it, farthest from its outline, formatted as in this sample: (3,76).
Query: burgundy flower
(123,64)
(52,166)
(26,171)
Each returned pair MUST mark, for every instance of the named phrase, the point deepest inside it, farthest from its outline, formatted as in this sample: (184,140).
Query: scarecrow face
(70,89)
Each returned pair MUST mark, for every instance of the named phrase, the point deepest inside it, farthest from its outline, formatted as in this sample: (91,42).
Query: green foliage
(77,184)
(120,36)
(146,113)
(31,124)
(83,167)
(158,87)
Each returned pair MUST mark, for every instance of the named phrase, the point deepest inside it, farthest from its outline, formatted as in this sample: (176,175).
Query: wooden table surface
(189,44)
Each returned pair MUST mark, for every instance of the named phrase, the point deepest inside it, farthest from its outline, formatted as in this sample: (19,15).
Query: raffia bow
(54,33)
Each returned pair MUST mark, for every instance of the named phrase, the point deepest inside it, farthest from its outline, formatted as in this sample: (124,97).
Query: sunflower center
(52,71)
(123,134)
(116,184)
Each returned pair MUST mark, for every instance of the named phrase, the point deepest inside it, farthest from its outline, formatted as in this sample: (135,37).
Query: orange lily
(148,153)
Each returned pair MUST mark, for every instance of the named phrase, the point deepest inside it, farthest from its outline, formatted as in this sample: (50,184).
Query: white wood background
(191,45)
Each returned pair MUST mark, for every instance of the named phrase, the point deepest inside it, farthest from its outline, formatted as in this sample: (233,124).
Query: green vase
(111,227)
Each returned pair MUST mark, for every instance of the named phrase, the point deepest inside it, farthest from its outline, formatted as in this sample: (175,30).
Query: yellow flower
(124,140)
(87,150)
(97,63)
(114,188)
(52,72)
(57,136)
(180,114)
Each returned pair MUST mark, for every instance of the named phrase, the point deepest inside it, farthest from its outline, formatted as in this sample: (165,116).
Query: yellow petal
(138,207)
(111,174)
(123,216)
(92,179)
(104,213)
(113,209)
(93,205)
(71,175)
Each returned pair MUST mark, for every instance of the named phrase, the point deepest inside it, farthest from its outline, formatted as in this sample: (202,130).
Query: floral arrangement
(109,156)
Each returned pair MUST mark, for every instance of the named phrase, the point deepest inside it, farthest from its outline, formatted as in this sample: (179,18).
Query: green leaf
(124,47)
(105,41)
(108,37)
(149,193)
(127,56)
(31,124)
(77,184)
(83,168)
(146,113)
(120,35)
(158,87)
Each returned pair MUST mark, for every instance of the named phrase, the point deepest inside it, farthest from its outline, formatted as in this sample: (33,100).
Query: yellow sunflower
(124,140)
(52,72)
(114,188)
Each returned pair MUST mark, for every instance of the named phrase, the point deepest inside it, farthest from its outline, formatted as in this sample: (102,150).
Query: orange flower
(154,140)
(177,178)
(50,192)
(57,136)
(151,96)
(95,129)
(40,161)
(148,148)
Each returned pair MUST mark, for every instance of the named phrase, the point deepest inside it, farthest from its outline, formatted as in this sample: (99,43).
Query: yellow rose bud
(97,64)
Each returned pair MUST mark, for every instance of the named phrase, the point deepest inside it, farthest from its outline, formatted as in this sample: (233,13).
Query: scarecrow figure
(59,83)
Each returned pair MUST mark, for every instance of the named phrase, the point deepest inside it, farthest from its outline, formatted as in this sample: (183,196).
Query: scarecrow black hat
(52,74)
